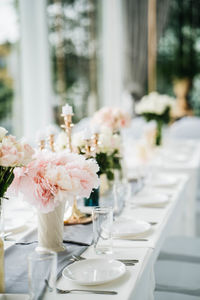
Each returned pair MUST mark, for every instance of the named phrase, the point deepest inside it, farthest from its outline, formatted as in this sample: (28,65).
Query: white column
(35,67)
(112,52)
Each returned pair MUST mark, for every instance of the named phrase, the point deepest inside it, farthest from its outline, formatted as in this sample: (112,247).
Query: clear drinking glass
(42,268)
(102,229)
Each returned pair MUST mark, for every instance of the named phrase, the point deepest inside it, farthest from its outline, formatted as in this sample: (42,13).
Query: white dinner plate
(151,200)
(94,271)
(129,228)
(164,180)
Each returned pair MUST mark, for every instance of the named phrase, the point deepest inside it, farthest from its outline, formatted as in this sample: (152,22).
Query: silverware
(125,261)
(128,260)
(25,243)
(76,243)
(130,239)
(59,291)
(6,235)
(64,241)
(129,264)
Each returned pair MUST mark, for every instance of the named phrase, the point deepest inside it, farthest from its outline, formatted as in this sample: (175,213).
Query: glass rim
(102,209)
(42,255)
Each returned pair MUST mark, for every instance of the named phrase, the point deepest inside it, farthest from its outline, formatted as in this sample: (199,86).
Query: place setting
(103,267)
(150,199)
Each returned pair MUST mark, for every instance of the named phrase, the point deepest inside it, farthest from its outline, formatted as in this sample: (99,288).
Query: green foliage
(6,178)
(6,96)
(164,118)
(72,70)
(178,51)
(108,163)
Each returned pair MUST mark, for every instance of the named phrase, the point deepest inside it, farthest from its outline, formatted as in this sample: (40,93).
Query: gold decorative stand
(77,217)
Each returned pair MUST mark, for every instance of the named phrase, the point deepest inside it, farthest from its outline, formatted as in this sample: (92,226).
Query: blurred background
(91,53)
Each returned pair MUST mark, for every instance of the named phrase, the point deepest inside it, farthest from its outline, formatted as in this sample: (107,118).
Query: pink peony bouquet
(112,117)
(54,177)
(12,154)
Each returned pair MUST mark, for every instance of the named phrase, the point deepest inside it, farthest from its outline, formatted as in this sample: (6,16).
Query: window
(9,85)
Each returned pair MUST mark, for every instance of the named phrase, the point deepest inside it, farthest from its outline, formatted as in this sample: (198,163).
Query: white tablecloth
(138,282)
(178,157)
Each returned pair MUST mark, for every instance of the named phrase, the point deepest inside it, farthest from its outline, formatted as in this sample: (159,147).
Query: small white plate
(154,200)
(129,228)
(94,271)
(164,180)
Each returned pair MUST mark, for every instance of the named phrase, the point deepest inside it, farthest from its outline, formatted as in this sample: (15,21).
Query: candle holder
(41,144)
(51,142)
(88,148)
(77,217)
(68,128)
(95,140)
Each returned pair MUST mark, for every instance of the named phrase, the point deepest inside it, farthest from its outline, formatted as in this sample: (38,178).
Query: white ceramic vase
(50,229)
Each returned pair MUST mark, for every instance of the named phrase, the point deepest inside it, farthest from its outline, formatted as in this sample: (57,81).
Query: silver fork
(59,291)
(125,261)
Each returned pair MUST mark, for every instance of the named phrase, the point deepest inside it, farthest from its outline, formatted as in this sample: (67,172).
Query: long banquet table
(138,282)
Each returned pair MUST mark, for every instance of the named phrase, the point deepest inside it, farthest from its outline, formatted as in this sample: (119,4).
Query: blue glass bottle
(93,200)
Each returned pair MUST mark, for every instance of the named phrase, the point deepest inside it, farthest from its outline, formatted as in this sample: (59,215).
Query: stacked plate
(150,199)
(128,228)
(164,180)
(94,271)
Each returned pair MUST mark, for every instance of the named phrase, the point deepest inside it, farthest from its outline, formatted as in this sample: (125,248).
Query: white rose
(61,141)
(105,144)
(77,140)
(3,132)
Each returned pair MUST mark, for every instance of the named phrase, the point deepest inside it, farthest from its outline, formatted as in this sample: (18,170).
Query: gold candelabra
(41,144)
(88,148)
(95,141)
(51,142)
(77,217)
(68,129)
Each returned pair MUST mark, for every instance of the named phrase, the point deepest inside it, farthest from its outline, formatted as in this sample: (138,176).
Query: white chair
(181,248)
(173,296)
(186,128)
(178,277)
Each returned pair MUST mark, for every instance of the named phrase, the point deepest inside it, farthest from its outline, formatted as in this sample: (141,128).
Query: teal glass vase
(93,200)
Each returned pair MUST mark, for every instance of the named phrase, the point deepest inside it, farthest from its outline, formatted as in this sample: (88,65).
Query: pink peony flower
(112,117)
(54,177)
(14,153)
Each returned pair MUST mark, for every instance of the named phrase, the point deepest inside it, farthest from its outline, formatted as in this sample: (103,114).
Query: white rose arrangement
(154,104)
(158,108)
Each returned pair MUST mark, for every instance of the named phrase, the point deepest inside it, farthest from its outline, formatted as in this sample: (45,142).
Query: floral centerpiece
(112,117)
(156,107)
(107,154)
(13,154)
(48,182)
